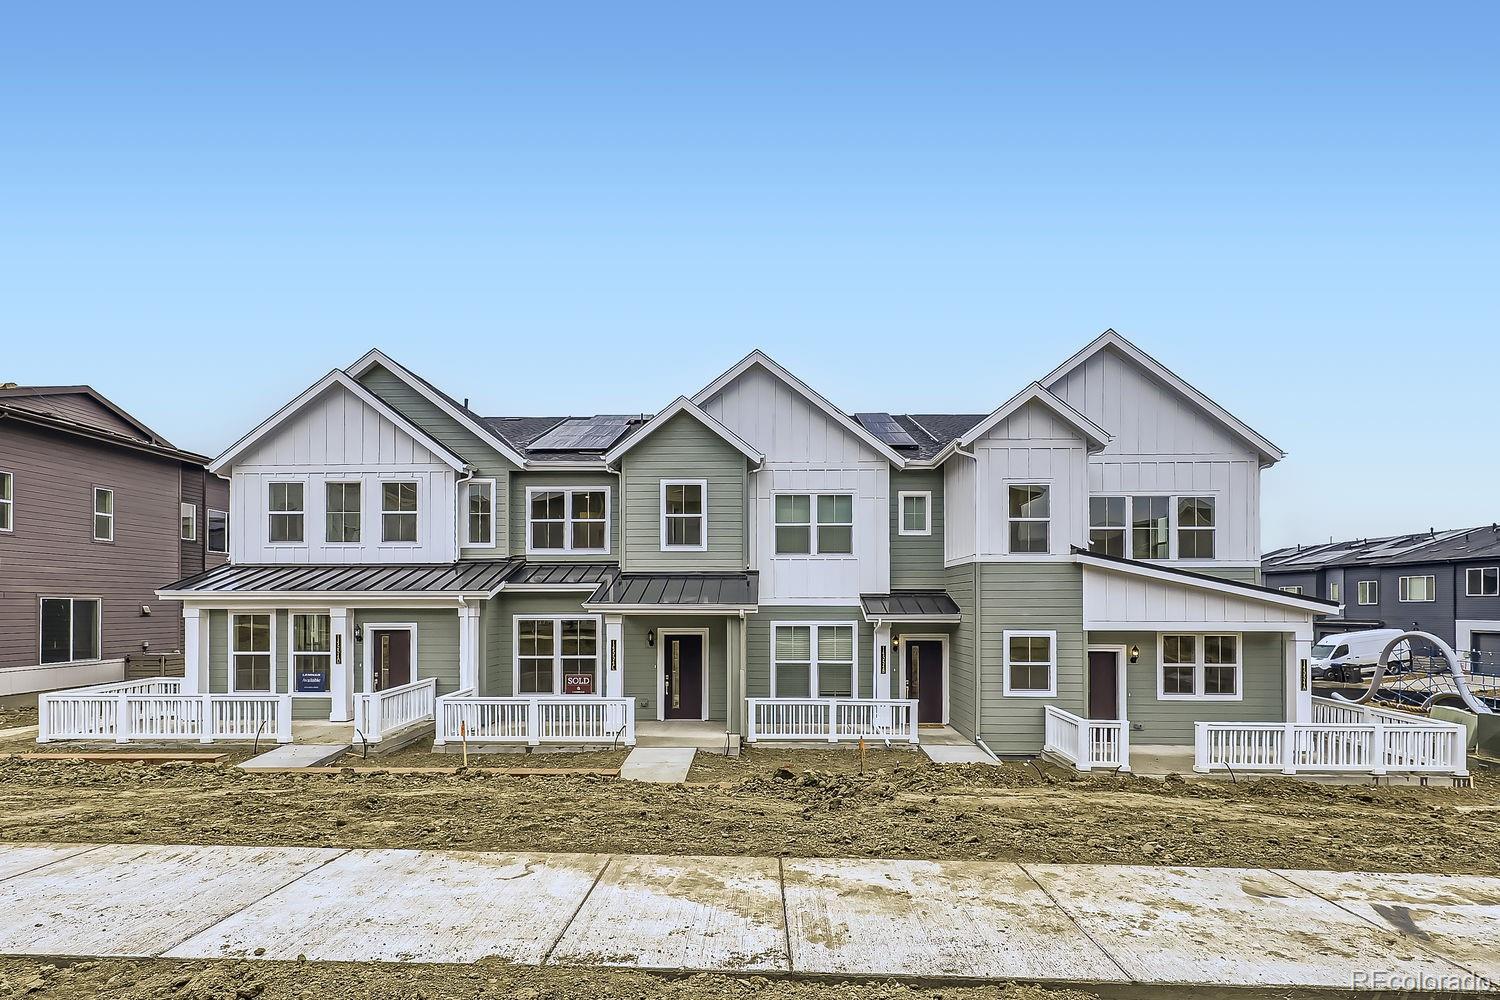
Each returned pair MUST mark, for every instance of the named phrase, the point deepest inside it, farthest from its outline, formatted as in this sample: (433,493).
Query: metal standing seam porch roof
(462,577)
(910,606)
(560,576)
(730,591)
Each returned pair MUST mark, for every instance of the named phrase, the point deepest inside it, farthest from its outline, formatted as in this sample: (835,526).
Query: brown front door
(390,657)
(924,679)
(682,677)
(1104,700)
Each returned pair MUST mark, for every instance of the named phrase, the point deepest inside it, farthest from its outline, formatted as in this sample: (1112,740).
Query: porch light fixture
(1135,653)
(359,633)
(651,637)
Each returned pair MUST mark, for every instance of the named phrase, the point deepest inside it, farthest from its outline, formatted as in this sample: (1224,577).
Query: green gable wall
(520,481)
(917,560)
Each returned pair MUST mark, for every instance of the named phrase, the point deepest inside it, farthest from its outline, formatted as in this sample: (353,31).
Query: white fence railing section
(463,716)
(378,714)
(155,710)
(1086,743)
(832,720)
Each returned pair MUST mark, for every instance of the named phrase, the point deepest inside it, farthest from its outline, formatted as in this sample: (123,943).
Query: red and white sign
(578,683)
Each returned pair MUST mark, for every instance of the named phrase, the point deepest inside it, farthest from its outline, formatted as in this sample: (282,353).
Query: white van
(1352,656)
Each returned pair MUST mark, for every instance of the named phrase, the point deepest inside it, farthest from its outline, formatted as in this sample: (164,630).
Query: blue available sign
(311,680)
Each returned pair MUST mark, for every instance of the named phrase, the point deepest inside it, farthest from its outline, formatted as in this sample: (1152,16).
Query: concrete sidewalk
(1075,924)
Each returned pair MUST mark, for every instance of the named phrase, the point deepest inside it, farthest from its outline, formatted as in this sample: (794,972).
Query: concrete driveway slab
(136,901)
(411,906)
(1456,917)
(926,918)
(700,914)
(1226,927)
(660,765)
(17,859)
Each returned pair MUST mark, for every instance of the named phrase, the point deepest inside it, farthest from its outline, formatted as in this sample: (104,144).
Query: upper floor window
(813,660)
(286,512)
(1335,591)
(814,524)
(342,513)
(1290,590)
(479,513)
(398,512)
(218,531)
(915,513)
(1030,664)
(1369,591)
(250,653)
(1030,518)
(7,501)
(1195,527)
(1107,529)
(1150,527)
(104,514)
(70,629)
(683,514)
(1482,581)
(188,529)
(1199,666)
(1144,527)
(567,520)
(1416,589)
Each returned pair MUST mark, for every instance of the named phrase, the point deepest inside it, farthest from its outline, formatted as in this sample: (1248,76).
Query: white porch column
(1298,694)
(468,647)
(884,662)
(614,656)
(341,679)
(194,651)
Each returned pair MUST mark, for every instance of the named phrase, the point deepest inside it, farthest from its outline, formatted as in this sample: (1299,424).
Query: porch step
(296,755)
(662,765)
(940,753)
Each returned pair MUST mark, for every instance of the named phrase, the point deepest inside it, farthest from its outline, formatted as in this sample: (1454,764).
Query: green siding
(683,448)
(520,481)
(1171,722)
(917,560)
(500,633)
(959,582)
(437,642)
(464,442)
(758,644)
(641,669)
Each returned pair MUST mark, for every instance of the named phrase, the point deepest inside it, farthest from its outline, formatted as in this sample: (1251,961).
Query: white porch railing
(463,716)
(155,710)
(1086,743)
(1376,748)
(378,714)
(832,720)
(1333,710)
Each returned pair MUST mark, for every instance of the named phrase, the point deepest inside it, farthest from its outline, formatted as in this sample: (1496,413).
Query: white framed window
(1416,589)
(1030,664)
(1335,591)
(104,514)
(567,519)
(1107,526)
(188,526)
(218,531)
(1195,527)
(250,644)
(1150,527)
(1030,514)
(284,503)
(814,660)
(1368,592)
(557,655)
(342,512)
(684,514)
(398,512)
(311,653)
(479,514)
(814,524)
(1199,666)
(70,629)
(1482,581)
(915,512)
(7,501)
(1290,590)
(1154,527)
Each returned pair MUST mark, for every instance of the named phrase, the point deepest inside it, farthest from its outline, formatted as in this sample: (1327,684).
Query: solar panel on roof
(884,427)
(583,434)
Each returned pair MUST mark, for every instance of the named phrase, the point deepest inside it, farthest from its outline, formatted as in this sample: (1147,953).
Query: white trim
(557,654)
(567,490)
(335,377)
(415,515)
(1174,526)
(1307,604)
(368,652)
(9,503)
(231,652)
(190,510)
(851,425)
(218,600)
(1122,663)
(1464,629)
(813,625)
(1198,665)
(300,512)
(905,666)
(681,405)
(94,514)
(1481,570)
(1091,432)
(926,496)
(326,512)
(208,532)
(292,652)
(1403,588)
(1359,593)
(463,504)
(1109,338)
(813,523)
(702,515)
(1051,636)
(1011,520)
(98,630)
(661,671)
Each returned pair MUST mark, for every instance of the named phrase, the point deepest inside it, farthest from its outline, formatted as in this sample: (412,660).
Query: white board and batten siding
(1118,601)
(1164,444)
(338,437)
(808,451)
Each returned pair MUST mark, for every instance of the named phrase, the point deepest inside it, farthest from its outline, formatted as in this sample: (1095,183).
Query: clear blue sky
(561,208)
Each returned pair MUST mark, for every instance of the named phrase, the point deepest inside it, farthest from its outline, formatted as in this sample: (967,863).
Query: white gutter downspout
(978,589)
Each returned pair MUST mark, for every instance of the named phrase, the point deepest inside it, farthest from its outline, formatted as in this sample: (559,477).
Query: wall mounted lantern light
(1135,653)
(651,637)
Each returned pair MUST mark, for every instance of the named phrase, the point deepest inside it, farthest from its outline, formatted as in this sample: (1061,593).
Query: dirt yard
(16,717)
(773,803)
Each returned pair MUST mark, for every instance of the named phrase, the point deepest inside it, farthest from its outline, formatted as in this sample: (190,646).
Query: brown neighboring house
(97,511)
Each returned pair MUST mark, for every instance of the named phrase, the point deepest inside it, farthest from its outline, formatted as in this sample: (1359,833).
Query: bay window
(1199,666)
(567,520)
(69,629)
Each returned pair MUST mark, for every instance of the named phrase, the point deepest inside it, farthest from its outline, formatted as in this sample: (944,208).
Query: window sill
(567,552)
(1030,694)
(684,548)
(1200,697)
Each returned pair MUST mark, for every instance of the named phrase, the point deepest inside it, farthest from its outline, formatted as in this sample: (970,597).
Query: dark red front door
(391,657)
(682,677)
(1104,692)
(924,679)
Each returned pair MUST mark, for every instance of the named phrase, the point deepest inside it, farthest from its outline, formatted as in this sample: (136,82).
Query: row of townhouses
(752,555)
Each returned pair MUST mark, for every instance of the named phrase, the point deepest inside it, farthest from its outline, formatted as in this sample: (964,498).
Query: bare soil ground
(788,803)
(150,979)
(14,718)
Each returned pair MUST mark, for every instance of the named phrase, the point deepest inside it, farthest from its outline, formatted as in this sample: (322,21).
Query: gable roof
(681,405)
(1035,393)
(761,359)
(339,378)
(437,397)
(36,398)
(1269,453)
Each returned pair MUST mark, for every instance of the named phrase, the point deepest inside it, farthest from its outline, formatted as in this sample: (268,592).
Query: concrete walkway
(1076,924)
(661,765)
(296,755)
